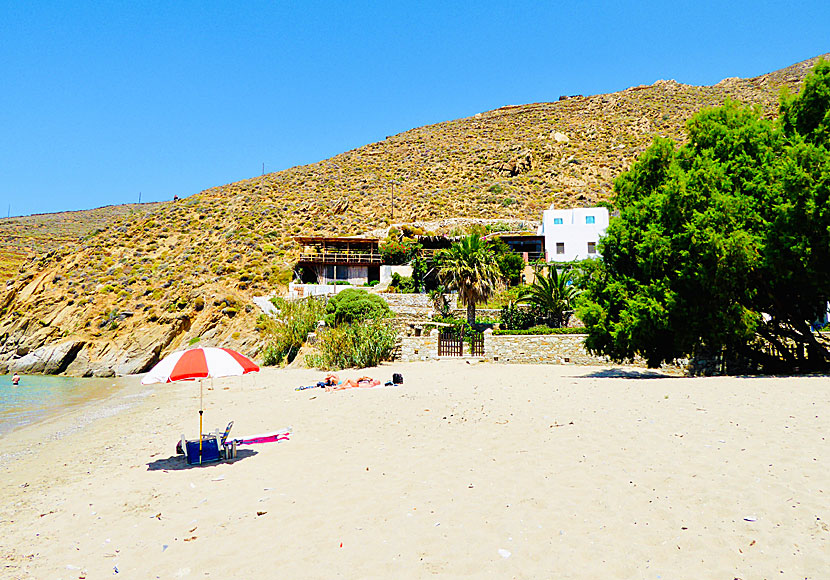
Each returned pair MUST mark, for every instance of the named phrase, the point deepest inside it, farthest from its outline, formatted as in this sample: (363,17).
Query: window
(592,247)
(336,273)
(589,219)
(557,221)
(560,247)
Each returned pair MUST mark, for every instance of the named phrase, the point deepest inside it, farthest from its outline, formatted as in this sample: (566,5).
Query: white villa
(572,234)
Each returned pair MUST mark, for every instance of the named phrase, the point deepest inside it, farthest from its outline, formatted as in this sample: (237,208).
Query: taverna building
(572,234)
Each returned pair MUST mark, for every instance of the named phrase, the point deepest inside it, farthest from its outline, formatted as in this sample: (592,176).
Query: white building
(572,234)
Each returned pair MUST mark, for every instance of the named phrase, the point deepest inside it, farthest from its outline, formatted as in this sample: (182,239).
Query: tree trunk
(471,313)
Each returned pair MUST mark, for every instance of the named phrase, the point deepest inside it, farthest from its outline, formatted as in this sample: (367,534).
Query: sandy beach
(465,471)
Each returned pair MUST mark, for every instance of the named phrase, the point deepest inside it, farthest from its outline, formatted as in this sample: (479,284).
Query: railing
(533,256)
(377,258)
(342,257)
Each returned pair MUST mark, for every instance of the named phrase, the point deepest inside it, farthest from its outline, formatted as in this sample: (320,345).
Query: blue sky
(101,101)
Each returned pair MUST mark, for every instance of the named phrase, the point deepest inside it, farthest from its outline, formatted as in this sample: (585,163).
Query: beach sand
(465,471)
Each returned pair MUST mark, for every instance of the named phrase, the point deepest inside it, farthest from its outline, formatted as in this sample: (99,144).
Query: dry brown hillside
(185,271)
(22,237)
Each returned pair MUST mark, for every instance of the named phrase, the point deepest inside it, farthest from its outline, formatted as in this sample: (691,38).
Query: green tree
(553,295)
(510,263)
(722,244)
(470,267)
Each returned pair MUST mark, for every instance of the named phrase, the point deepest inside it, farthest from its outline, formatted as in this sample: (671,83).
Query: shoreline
(475,469)
(60,422)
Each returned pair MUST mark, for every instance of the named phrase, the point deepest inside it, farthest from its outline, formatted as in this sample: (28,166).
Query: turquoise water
(39,397)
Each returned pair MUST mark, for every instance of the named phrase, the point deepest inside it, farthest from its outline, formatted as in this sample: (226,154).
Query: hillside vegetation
(181,272)
(22,237)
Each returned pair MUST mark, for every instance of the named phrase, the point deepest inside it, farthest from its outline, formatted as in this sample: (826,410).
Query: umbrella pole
(200,420)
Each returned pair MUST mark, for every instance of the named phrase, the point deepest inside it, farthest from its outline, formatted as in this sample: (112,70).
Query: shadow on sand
(617,373)
(177,462)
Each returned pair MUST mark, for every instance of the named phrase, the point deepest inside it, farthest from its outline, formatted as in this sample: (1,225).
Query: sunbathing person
(362,382)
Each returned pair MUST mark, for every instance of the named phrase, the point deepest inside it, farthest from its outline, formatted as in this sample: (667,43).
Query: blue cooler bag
(210,451)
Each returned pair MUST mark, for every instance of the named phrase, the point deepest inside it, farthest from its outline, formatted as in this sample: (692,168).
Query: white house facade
(572,234)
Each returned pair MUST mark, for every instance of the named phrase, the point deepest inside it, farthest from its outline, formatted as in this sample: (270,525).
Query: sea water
(38,397)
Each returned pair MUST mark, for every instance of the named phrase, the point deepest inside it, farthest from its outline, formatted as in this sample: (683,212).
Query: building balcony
(341,257)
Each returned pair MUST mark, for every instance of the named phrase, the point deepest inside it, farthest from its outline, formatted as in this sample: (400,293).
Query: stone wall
(414,304)
(539,348)
(543,348)
(524,349)
(419,348)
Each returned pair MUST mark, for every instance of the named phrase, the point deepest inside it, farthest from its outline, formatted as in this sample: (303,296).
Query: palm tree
(470,267)
(554,295)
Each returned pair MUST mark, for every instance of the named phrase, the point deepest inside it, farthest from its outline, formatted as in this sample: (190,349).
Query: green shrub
(403,284)
(358,345)
(514,317)
(289,329)
(397,251)
(355,305)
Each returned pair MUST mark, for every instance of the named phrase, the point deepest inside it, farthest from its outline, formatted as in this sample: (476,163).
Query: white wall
(573,232)
(387,271)
(296,290)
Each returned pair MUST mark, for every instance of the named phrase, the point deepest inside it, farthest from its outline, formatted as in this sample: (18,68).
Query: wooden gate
(449,344)
(476,343)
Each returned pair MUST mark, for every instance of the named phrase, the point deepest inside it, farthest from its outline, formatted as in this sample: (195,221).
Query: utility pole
(139,197)
(263,168)
(392,184)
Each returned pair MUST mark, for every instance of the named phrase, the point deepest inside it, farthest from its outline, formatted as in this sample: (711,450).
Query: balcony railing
(342,257)
(351,257)
(533,256)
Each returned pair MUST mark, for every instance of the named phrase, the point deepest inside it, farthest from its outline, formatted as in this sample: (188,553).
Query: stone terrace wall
(545,348)
(540,348)
(414,304)
(419,348)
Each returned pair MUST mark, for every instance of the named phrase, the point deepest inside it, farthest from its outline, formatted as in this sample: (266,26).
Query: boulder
(48,360)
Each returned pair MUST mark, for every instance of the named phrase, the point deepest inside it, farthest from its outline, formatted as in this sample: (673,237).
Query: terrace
(353,251)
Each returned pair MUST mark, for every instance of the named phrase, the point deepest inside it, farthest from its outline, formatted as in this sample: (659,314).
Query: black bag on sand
(397,378)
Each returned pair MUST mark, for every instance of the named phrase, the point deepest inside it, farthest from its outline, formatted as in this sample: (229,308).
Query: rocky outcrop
(47,360)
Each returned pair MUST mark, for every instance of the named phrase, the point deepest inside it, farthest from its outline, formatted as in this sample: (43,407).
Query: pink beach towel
(264,438)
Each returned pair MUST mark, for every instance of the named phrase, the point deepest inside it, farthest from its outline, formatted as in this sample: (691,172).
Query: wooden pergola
(339,250)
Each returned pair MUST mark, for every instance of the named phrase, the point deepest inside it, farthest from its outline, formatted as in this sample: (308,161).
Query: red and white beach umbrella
(199,363)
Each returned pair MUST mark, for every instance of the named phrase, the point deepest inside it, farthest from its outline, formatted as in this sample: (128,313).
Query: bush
(397,251)
(358,345)
(403,284)
(514,317)
(355,305)
(289,328)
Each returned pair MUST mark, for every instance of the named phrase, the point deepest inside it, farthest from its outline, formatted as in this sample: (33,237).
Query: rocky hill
(185,272)
(22,237)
